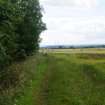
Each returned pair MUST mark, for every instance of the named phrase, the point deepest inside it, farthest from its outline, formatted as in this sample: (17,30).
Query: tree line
(20,27)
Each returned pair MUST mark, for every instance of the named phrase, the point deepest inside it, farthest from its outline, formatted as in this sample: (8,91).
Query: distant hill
(73,46)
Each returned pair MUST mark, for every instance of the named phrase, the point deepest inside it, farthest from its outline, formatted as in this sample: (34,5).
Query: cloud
(60,38)
(74,30)
(73,22)
(71,3)
(77,24)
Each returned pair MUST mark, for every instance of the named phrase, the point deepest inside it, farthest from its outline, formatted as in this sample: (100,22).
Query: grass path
(63,79)
(35,69)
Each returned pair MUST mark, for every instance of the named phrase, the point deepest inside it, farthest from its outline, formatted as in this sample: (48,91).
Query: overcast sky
(73,22)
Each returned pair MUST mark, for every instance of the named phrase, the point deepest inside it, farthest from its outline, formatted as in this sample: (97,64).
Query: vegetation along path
(69,79)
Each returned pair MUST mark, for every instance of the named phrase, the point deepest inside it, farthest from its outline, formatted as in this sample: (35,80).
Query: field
(79,50)
(76,78)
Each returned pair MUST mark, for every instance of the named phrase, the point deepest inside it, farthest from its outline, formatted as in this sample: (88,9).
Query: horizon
(74,45)
(73,22)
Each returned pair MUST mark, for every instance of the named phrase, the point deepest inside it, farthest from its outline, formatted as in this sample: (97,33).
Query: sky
(73,22)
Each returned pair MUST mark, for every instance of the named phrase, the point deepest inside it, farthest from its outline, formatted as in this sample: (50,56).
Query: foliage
(20,27)
(33,26)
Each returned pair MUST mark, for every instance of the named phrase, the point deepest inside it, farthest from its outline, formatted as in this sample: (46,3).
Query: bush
(4,58)
(20,27)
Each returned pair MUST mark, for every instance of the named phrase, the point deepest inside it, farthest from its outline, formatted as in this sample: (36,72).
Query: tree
(30,27)
(20,27)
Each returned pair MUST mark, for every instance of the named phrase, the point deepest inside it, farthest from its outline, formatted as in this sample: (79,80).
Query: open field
(65,79)
(82,50)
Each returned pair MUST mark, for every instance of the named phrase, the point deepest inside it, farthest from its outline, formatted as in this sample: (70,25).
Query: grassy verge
(36,68)
(30,74)
(60,79)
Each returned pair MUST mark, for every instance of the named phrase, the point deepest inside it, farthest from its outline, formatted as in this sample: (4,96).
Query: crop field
(67,79)
(79,50)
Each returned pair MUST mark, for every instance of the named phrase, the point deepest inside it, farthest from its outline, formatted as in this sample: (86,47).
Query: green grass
(76,82)
(64,79)
(36,67)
